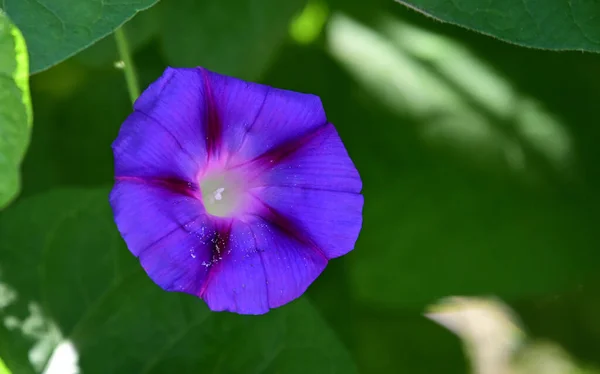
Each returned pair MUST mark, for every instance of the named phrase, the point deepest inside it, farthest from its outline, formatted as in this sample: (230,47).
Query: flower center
(221,195)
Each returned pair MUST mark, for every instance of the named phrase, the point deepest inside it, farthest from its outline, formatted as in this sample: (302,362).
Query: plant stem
(128,68)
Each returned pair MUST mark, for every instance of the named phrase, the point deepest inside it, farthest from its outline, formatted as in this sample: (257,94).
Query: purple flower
(232,191)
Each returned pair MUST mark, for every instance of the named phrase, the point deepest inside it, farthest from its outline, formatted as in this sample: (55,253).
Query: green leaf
(457,234)
(140,30)
(13,347)
(86,145)
(94,291)
(15,108)
(474,189)
(549,24)
(402,341)
(3,368)
(56,30)
(233,37)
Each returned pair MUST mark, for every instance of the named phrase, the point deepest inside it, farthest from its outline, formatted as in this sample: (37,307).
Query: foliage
(553,24)
(15,108)
(67,27)
(479,162)
(494,341)
(201,33)
(109,308)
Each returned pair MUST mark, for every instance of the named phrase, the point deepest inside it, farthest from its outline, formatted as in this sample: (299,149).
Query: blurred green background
(479,160)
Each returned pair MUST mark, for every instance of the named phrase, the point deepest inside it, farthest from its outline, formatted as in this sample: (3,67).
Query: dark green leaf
(61,251)
(548,24)
(233,37)
(407,337)
(481,196)
(55,30)
(15,108)
(13,348)
(457,235)
(139,32)
(78,112)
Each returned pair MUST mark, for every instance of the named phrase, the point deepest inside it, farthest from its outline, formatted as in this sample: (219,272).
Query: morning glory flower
(235,192)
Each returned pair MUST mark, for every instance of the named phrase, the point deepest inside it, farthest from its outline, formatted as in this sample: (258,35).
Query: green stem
(128,68)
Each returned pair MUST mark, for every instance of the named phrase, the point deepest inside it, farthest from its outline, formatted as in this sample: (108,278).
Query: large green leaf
(548,24)
(233,37)
(15,108)
(63,259)
(472,189)
(140,30)
(55,30)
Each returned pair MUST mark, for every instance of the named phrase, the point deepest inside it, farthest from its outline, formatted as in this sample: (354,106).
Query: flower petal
(321,162)
(169,232)
(238,283)
(290,264)
(146,149)
(165,136)
(255,118)
(263,268)
(331,220)
(303,202)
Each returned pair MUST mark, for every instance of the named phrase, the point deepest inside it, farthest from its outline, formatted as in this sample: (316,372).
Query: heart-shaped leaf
(55,30)
(75,286)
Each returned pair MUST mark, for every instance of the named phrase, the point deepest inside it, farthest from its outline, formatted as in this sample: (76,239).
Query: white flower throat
(220,195)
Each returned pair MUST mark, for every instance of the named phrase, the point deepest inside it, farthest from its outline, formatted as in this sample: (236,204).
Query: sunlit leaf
(3,368)
(495,342)
(111,318)
(550,24)
(55,30)
(15,108)
(482,201)
(487,327)
(307,26)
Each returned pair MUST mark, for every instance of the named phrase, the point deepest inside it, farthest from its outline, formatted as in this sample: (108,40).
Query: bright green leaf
(15,108)
(549,24)
(89,286)
(308,25)
(233,37)
(3,368)
(56,30)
